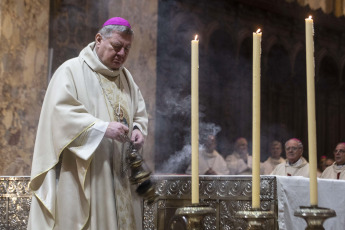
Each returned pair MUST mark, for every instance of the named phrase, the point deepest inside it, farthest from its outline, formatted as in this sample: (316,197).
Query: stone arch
(267,46)
(277,98)
(342,72)
(296,51)
(221,50)
(328,99)
(327,77)
(244,53)
(329,55)
(216,92)
(208,31)
(278,65)
(242,36)
(298,74)
(289,47)
(299,93)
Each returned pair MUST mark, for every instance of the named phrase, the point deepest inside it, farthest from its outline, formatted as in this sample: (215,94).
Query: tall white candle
(195,120)
(256,119)
(309,37)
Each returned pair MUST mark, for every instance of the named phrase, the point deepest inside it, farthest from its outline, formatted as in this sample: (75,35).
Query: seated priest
(295,164)
(324,163)
(240,162)
(275,159)
(210,161)
(337,169)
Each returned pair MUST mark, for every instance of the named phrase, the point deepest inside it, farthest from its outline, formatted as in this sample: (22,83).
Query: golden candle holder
(314,216)
(146,188)
(191,217)
(255,218)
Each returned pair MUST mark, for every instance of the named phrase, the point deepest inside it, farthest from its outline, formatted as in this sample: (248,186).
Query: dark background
(225,75)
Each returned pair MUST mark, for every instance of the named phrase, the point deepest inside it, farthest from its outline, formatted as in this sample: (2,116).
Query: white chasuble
(334,171)
(300,168)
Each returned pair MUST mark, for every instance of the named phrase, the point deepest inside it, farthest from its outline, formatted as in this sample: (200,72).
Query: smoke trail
(174,105)
(178,162)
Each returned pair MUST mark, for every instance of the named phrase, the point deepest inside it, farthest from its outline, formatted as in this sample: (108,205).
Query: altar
(226,194)
(293,192)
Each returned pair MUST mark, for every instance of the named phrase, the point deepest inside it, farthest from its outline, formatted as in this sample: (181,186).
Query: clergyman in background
(240,162)
(210,161)
(276,150)
(296,164)
(337,169)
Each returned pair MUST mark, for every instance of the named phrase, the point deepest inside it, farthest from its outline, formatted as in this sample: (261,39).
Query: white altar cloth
(293,192)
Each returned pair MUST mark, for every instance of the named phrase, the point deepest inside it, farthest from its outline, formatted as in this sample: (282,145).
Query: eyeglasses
(339,150)
(291,148)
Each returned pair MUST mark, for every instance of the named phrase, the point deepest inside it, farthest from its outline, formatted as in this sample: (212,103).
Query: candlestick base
(190,217)
(255,218)
(314,216)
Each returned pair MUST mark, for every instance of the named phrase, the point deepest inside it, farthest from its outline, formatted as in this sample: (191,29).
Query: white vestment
(332,171)
(300,168)
(90,191)
(269,165)
(212,161)
(237,166)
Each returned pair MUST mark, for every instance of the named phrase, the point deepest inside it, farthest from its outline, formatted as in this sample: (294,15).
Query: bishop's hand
(137,139)
(117,131)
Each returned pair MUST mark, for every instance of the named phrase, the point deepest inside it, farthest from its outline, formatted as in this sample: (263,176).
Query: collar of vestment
(209,155)
(91,59)
(338,167)
(276,161)
(298,164)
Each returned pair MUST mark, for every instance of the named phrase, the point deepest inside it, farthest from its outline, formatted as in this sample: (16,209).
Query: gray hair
(299,143)
(108,30)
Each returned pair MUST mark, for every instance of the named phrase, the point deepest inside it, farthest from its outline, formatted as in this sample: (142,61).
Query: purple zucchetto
(117,21)
(296,139)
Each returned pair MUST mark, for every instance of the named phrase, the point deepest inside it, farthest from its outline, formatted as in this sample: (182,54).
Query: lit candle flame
(258,31)
(310,17)
(196,37)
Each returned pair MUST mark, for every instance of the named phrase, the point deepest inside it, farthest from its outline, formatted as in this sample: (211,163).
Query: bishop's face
(113,51)
(293,151)
(339,154)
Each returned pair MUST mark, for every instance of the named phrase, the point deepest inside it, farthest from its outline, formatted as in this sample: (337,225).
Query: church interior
(38,36)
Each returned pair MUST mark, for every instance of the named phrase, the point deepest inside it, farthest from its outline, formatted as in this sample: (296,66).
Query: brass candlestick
(255,218)
(190,217)
(146,188)
(314,216)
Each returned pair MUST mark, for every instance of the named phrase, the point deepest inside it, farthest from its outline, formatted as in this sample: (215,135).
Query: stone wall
(23,79)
